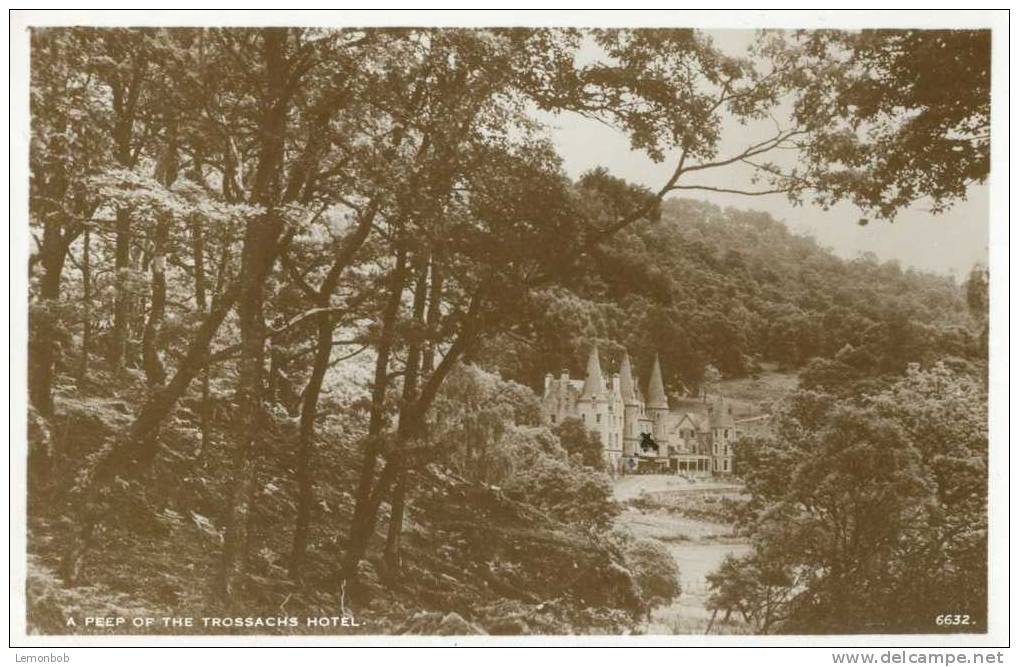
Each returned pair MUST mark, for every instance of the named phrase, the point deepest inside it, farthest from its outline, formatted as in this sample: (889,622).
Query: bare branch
(735,191)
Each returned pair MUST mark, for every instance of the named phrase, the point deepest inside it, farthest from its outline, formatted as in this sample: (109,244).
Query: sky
(947,243)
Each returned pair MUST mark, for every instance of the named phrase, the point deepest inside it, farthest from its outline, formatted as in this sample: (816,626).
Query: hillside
(474,558)
(735,289)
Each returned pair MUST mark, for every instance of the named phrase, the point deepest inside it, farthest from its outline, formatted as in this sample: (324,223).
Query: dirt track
(698,546)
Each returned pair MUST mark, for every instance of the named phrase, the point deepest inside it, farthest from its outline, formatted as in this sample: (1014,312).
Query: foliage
(891,116)
(579,441)
(570,494)
(868,512)
(727,289)
(655,570)
(481,418)
(758,590)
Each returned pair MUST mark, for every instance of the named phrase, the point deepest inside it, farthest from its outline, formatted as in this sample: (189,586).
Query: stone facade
(694,436)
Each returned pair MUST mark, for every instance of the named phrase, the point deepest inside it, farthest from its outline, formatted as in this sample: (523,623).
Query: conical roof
(594,384)
(626,384)
(656,388)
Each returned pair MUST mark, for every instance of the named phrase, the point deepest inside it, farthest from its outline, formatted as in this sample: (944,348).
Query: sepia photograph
(632,327)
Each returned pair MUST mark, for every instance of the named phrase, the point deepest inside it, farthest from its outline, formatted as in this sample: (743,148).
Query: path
(699,546)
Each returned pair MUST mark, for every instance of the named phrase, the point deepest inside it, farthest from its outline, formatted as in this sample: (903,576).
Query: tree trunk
(151,361)
(410,380)
(261,243)
(257,260)
(145,427)
(427,365)
(166,174)
(363,522)
(310,397)
(434,316)
(86,298)
(125,104)
(412,425)
(396,514)
(306,442)
(42,344)
(198,252)
(121,305)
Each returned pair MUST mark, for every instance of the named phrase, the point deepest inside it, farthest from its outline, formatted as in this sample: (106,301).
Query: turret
(657,405)
(656,398)
(594,384)
(626,384)
(593,404)
(631,407)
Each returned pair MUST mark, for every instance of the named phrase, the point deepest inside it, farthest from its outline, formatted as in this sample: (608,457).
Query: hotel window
(553,417)
(597,418)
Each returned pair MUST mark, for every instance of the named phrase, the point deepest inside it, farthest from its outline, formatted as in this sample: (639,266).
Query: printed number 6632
(952,619)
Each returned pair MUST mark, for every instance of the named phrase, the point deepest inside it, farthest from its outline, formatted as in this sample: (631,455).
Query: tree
(484,421)
(656,571)
(977,299)
(567,493)
(66,151)
(944,413)
(757,589)
(581,442)
(883,128)
(285,60)
(866,513)
(120,59)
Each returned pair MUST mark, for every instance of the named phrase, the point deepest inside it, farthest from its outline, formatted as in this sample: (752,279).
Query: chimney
(564,375)
(615,383)
(548,381)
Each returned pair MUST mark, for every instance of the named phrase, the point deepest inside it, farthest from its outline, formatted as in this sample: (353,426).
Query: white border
(999,514)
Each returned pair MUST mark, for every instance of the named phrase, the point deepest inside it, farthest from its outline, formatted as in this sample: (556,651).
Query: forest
(730,290)
(292,291)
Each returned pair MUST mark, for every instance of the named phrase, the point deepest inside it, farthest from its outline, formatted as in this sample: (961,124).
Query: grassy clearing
(758,394)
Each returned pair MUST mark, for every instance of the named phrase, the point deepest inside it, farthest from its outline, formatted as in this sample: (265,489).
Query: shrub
(655,570)
(581,442)
(567,493)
